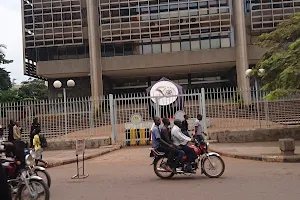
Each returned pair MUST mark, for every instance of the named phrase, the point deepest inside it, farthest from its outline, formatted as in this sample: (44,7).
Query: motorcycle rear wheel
(214,159)
(159,171)
(38,182)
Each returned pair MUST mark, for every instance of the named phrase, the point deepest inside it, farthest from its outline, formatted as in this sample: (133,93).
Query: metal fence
(222,109)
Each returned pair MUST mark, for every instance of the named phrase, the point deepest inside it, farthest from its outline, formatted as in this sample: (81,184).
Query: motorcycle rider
(180,141)
(166,136)
(161,145)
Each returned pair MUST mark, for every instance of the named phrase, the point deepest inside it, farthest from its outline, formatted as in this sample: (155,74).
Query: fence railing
(225,109)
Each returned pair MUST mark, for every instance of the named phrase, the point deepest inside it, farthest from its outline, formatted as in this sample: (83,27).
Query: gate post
(157,107)
(112,118)
(203,110)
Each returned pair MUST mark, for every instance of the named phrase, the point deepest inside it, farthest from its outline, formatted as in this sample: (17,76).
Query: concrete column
(94,48)
(241,48)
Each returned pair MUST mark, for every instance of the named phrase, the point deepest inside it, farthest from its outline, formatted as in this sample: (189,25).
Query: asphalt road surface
(126,174)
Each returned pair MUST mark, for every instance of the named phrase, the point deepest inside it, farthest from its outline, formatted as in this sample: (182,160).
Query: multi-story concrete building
(113,46)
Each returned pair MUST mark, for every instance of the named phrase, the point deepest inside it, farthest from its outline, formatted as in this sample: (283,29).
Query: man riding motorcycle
(161,145)
(180,141)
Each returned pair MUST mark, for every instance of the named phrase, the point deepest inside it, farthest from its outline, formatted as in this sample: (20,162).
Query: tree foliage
(5,81)
(30,90)
(2,55)
(34,89)
(282,59)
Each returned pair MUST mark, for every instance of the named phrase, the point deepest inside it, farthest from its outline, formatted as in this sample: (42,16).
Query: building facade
(117,46)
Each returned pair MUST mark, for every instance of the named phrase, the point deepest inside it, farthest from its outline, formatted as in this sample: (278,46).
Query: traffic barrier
(137,136)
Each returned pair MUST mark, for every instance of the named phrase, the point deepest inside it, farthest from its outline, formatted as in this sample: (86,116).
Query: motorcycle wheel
(40,183)
(159,170)
(216,161)
(45,176)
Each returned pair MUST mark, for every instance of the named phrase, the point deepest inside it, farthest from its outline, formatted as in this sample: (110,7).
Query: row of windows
(58,53)
(213,41)
(119,4)
(152,9)
(271,4)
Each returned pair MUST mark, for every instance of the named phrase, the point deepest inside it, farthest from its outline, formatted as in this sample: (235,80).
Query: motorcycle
(206,161)
(38,170)
(22,183)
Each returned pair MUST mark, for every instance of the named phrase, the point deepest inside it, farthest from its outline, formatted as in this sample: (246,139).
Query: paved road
(126,174)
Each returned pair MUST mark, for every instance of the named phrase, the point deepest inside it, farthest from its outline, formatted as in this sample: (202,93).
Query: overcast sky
(11,36)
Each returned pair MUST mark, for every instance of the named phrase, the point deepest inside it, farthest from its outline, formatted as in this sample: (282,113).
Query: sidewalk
(63,157)
(262,151)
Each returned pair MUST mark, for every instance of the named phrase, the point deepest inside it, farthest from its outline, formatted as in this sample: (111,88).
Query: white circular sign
(136,118)
(180,115)
(166,92)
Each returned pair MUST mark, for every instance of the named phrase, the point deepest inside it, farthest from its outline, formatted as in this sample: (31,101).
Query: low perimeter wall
(256,135)
(90,143)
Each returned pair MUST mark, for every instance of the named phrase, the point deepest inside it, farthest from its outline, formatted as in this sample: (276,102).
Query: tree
(281,61)
(5,82)
(34,89)
(2,55)
(10,95)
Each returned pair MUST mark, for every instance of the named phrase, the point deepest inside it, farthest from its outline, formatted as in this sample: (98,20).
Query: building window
(147,49)
(156,48)
(205,43)
(225,42)
(175,46)
(166,48)
(195,45)
(215,42)
(185,45)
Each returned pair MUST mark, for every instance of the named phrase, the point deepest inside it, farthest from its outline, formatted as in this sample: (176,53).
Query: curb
(74,160)
(265,158)
(246,157)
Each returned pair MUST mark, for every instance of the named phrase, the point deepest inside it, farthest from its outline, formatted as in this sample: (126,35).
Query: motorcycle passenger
(166,136)
(180,141)
(161,145)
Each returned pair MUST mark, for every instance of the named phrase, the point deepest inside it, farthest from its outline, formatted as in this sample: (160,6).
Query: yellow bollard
(132,137)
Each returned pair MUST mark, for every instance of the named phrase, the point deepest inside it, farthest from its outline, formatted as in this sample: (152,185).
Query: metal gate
(132,115)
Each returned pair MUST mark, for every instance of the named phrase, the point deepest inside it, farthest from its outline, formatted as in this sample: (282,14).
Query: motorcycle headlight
(29,160)
(33,154)
(207,143)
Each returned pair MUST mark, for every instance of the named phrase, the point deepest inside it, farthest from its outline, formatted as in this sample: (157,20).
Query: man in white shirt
(180,141)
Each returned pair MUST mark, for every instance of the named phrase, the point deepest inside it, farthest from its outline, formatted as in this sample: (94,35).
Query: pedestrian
(35,124)
(185,126)
(37,147)
(17,131)
(1,134)
(5,192)
(198,128)
(11,130)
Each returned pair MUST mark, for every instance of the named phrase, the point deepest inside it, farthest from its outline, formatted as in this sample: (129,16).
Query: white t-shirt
(198,126)
(178,137)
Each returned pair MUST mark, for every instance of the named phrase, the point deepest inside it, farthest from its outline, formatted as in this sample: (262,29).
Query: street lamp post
(57,84)
(259,73)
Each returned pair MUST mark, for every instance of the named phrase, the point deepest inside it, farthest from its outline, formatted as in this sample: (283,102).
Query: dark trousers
(199,138)
(170,152)
(179,154)
(190,153)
